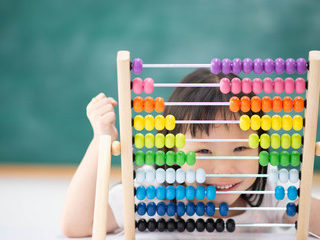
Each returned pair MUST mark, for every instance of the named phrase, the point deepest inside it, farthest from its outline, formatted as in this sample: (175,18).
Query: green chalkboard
(56,55)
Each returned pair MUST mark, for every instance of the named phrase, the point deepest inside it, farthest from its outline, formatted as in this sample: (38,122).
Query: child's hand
(100,112)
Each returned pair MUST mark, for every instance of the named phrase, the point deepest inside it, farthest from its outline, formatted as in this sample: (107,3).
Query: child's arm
(77,217)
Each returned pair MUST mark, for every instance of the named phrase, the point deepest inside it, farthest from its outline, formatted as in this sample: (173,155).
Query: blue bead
(170,192)
(279,192)
(292,193)
(180,192)
(141,208)
(223,209)
(200,192)
(190,209)
(291,209)
(190,192)
(211,192)
(171,209)
(161,208)
(151,192)
(141,192)
(151,209)
(210,209)
(200,209)
(161,192)
(181,209)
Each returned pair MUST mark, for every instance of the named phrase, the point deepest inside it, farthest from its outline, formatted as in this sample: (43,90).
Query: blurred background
(56,55)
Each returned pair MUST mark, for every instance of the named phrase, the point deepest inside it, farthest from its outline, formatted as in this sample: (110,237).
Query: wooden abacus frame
(310,148)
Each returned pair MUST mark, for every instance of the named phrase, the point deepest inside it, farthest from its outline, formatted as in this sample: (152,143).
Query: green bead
(180,158)
(170,158)
(159,140)
(296,141)
(149,140)
(275,141)
(295,158)
(274,158)
(284,158)
(170,139)
(253,140)
(160,158)
(264,158)
(285,141)
(180,140)
(191,158)
(265,141)
(139,140)
(139,158)
(149,157)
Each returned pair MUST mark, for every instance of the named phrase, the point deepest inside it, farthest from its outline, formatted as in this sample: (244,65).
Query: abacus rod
(256,208)
(186,84)
(196,103)
(245,192)
(207,121)
(236,175)
(215,140)
(265,225)
(175,65)
(228,157)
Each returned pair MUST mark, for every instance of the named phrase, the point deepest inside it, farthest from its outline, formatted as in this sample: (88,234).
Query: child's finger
(99,104)
(102,110)
(108,118)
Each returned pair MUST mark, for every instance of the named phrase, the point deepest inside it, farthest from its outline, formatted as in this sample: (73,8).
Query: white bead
(150,175)
(190,176)
(140,175)
(170,175)
(273,176)
(180,176)
(160,175)
(200,175)
(283,175)
(294,175)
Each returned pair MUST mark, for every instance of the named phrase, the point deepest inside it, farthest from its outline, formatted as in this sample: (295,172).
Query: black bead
(135,223)
(220,225)
(210,225)
(300,173)
(171,225)
(200,226)
(135,208)
(296,225)
(162,225)
(230,225)
(190,225)
(181,225)
(297,208)
(134,191)
(298,192)
(134,174)
(152,225)
(142,225)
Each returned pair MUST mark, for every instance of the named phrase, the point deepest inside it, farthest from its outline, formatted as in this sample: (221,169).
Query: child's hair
(209,94)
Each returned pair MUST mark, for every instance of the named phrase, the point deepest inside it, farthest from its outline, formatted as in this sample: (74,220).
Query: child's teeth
(225,186)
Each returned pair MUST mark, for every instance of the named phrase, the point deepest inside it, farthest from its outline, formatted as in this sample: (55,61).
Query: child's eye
(203,151)
(241,148)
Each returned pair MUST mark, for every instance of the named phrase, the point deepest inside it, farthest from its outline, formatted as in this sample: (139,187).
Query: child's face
(224,166)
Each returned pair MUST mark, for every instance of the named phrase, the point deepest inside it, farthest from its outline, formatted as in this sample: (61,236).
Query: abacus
(131,153)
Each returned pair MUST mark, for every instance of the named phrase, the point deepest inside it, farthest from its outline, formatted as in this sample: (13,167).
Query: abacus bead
(181,225)
(236,65)
(190,193)
(285,141)
(180,158)
(267,85)
(264,158)
(170,175)
(225,85)
(210,209)
(159,104)
(300,85)
(230,225)
(291,209)
(255,122)
(245,122)
(140,175)
(181,209)
(180,176)
(223,209)
(236,85)
(150,175)
(190,225)
(246,86)
(180,140)
(200,209)
(159,140)
(200,175)
(255,104)
(226,66)
(161,192)
(247,65)
(170,139)
(290,65)
(234,104)
(284,158)
(149,140)
(297,122)
(139,140)
(266,122)
(219,225)
(151,192)
(266,104)
(171,225)
(296,141)
(138,122)
(273,176)
(139,158)
(286,122)
(283,175)
(274,158)
(277,104)
(253,140)
(160,175)
(170,192)
(141,193)
(137,85)
(152,225)
(245,104)
(190,209)
(279,193)
(287,103)
(200,192)
(141,208)
(191,158)
(211,192)
(215,66)
(210,225)
(159,122)
(142,225)
(278,85)
(268,65)
(257,85)
(289,85)
(180,192)
(276,122)
(170,158)
(150,156)
(148,104)
(160,158)
(275,141)
(190,176)
(298,104)
(171,209)
(137,65)
(295,158)
(138,104)
(149,122)
(292,193)
(293,175)
(170,122)
(200,225)
(279,66)
(301,65)
(162,225)
(258,66)
(148,85)
(265,141)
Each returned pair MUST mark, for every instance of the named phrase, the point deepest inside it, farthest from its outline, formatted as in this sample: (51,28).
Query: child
(78,211)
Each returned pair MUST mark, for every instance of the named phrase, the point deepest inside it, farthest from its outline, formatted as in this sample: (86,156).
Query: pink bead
(137,85)
(278,85)
(148,85)
(236,86)
(246,85)
(257,85)
(289,85)
(300,85)
(267,85)
(225,85)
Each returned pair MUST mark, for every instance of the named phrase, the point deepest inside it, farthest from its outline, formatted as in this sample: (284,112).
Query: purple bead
(215,66)
(268,65)
(258,66)
(290,65)
(301,65)
(236,66)
(137,65)
(247,65)
(279,66)
(226,66)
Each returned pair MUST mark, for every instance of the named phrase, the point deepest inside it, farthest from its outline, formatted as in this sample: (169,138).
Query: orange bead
(287,104)
(298,104)
(234,104)
(138,104)
(245,104)
(266,104)
(148,104)
(255,104)
(277,104)
(159,104)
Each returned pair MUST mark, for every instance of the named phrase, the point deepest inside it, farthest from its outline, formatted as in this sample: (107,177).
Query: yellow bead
(170,122)
(297,122)
(180,140)
(275,141)
(159,122)
(255,122)
(170,140)
(276,122)
(286,122)
(245,122)
(265,141)
(149,122)
(159,140)
(266,122)
(253,140)
(138,122)
(296,141)
(149,140)
(139,140)
(285,141)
